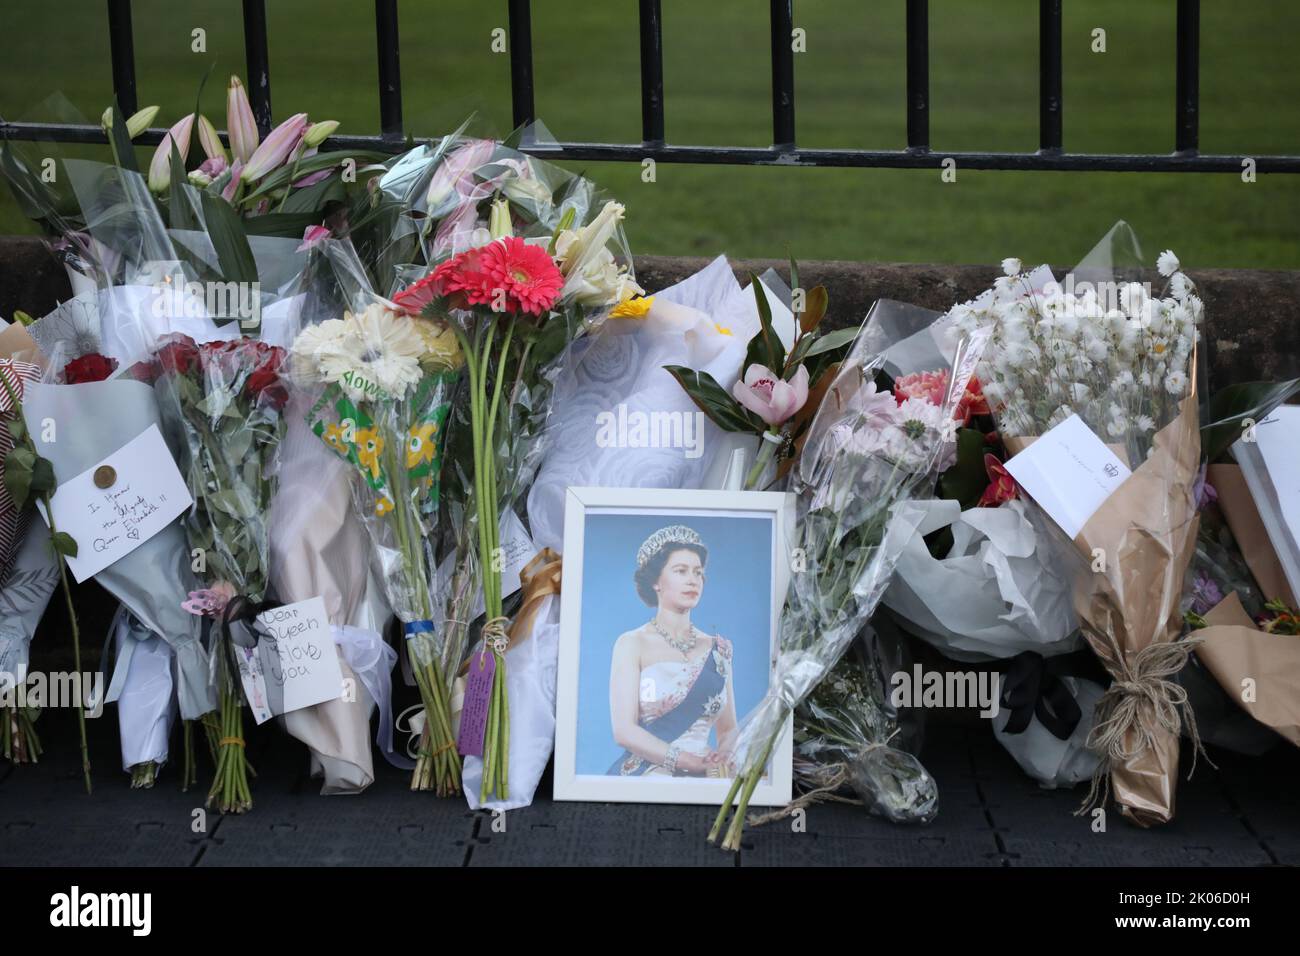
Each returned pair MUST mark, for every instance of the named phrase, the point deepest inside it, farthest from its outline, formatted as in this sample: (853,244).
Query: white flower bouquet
(1102,348)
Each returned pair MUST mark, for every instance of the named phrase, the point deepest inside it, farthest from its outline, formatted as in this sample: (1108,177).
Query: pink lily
(276,149)
(240,121)
(312,235)
(209,139)
(768,396)
(232,187)
(160,167)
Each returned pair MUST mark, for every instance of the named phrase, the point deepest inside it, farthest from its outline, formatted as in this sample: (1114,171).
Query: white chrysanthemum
(1011,266)
(1179,285)
(1167,263)
(1145,423)
(1176,382)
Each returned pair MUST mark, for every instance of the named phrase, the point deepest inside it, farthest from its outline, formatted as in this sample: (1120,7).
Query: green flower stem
(76,650)
(765,451)
(723,810)
(732,841)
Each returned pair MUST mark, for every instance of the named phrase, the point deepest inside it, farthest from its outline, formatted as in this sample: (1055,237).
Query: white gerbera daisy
(1167,263)
(1176,382)
(1179,285)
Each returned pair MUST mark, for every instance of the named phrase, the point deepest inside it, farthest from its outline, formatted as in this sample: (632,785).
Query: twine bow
(1142,702)
(539,578)
(833,777)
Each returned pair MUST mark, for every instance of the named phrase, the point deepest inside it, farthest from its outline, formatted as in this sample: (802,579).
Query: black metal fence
(784,150)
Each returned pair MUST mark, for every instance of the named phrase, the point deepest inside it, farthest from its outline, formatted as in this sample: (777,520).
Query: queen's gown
(679,703)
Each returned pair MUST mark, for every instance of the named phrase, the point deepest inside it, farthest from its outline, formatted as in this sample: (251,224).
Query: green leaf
(18,474)
(226,231)
(292,172)
(966,480)
(312,199)
(765,348)
(712,399)
(832,340)
(17,429)
(43,480)
(123,151)
(1229,408)
(64,544)
(287,225)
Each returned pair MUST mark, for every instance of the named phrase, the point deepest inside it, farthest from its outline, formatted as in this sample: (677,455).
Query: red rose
(89,368)
(179,355)
(263,383)
(141,372)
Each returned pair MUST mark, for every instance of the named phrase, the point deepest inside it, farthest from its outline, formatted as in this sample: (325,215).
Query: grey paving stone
(910,848)
(598,834)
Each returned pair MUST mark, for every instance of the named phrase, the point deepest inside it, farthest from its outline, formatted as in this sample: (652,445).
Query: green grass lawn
(850,93)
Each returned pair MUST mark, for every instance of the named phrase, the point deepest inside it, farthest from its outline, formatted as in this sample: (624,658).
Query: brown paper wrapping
(1238,507)
(1147,532)
(1234,649)
(17,341)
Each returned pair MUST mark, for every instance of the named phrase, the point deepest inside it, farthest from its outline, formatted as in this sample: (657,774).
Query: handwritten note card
(1069,471)
(294,664)
(122,502)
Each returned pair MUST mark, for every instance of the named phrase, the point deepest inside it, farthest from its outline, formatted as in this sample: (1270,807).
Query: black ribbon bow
(1032,687)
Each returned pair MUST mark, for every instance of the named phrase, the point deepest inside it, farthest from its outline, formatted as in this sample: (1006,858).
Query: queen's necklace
(682,645)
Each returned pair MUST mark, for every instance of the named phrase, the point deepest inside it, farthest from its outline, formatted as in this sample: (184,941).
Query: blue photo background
(737,603)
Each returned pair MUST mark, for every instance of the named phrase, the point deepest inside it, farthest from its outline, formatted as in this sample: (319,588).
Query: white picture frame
(670,506)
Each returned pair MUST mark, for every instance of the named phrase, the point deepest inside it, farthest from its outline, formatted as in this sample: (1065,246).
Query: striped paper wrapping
(14,377)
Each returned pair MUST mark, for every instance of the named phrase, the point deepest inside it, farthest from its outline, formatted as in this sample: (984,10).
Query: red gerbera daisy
(527,274)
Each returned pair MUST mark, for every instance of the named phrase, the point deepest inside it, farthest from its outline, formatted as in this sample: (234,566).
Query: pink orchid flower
(768,396)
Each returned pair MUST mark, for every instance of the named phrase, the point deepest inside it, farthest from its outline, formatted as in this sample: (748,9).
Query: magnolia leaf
(765,348)
(814,309)
(712,399)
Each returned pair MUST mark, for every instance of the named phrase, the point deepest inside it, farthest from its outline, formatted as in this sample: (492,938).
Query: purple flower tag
(474,712)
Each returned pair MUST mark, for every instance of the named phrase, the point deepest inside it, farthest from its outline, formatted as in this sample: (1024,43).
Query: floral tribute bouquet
(526,277)
(224,400)
(1105,350)
(771,399)
(1236,597)
(388,378)
(865,456)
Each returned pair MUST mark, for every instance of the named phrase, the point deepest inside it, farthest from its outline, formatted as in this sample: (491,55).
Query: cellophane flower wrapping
(224,401)
(1121,356)
(521,258)
(866,456)
(383,381)
(848,734)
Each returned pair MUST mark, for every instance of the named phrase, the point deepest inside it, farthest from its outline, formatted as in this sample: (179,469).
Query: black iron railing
(784,150)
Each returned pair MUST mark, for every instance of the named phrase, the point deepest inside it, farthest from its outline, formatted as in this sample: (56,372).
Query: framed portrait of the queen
(668,637)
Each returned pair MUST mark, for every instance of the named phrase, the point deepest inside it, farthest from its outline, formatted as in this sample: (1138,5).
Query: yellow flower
(722,329)
(383,506)
(334,437)
(441,350)
(370,445)
(633,307)
(420,446)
